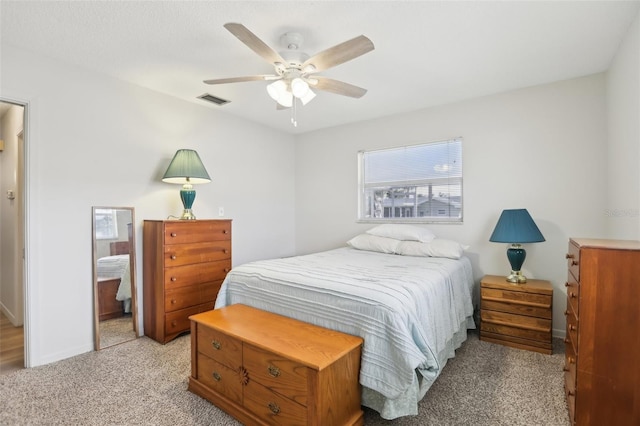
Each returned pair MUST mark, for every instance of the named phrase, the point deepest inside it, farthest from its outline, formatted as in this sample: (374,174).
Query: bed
(114,282)
(412,310)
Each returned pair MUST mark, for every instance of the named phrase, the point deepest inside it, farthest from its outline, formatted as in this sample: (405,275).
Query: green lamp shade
(187,169)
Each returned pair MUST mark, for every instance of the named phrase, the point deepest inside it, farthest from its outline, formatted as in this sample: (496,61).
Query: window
(106,224)
(418,183)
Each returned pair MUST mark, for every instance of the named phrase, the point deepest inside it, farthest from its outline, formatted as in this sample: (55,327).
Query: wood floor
(11,346)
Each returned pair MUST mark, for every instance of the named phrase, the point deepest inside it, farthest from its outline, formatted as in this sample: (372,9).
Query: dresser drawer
(183,232)
(573,293)
(183,297)
(187,254)
(178,321)
(572,326)
(273,408)
(573,260)
(219,346)
(220,378)
(187,275)
(282,375)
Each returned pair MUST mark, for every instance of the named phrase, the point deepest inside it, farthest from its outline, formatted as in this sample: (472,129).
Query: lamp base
(187,214)
(516,277)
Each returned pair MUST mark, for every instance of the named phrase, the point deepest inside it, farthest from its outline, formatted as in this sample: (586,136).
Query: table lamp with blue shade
(516,227)
(187,169)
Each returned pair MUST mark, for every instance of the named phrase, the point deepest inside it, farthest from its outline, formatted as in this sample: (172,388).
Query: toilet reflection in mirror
(114,284)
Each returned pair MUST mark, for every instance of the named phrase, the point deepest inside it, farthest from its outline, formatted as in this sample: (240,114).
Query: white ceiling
(426,52)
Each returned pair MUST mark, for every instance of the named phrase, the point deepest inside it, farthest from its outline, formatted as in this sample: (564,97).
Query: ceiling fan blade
(254,43)
(337,87)
(267,77)
(338,54)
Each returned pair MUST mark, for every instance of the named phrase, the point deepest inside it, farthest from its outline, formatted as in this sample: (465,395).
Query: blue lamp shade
(187,169)
(516,227)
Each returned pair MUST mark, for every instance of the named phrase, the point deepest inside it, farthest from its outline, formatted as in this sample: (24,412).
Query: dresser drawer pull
(567,284)
(565,369)
(566,340)
(173,301)
(225,251)
(572,327)
(216,376)
(568,256)
(572,295)
(273,371)
(274,408)
(225,231)
(173,257)
(174,279)
(173,234)
(216,344)
(566,312)
(571,360)
(174,323)
(570,393)
(226,269)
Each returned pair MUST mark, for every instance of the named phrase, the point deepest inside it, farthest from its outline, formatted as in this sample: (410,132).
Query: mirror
(114,275)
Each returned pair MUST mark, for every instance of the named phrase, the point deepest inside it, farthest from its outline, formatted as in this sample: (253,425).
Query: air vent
(213,99)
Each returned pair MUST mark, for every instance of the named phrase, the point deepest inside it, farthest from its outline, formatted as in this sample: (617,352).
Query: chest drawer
(277,373)
(183,297)
(221,347)
(573,293)
(181,232)
(272,407)
(572,326)
(187,275)
(187,254)
(220,378)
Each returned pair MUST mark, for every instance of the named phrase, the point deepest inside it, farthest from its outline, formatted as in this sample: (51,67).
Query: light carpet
(145,383)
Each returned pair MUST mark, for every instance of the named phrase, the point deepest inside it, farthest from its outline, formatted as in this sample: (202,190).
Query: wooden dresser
(185,262)
(602,372)
(267,369)
(517,315)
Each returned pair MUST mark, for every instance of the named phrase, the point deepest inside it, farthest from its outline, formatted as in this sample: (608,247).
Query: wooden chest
(266,369)
(185,262)
(517,315)
(602,373)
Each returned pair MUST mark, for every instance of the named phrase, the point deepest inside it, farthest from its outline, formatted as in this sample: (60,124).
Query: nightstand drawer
(517,321)
(518,309)
(518,333)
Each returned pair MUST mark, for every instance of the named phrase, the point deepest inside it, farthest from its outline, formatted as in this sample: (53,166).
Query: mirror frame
(132,261)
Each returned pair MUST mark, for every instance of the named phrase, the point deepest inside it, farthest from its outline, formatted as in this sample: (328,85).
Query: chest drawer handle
(224,231)
(173,301)
(173,234)
(567,284)
(574,263)
(572,295)
(571,360)
(226,270)
(572,327)
(273,371)
(173,257)
(568,256)
(566,340)
(173,278)
(571,393)
(216,344)
(216,376)
(565,369)
(274,408)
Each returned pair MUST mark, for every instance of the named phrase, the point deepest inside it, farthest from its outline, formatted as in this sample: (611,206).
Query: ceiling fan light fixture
(308,97)
(276,89)
(299,87)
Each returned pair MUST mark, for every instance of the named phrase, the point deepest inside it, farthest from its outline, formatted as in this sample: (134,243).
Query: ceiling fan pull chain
(294,120)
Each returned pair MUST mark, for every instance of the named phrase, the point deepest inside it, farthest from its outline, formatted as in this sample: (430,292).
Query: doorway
(12,236)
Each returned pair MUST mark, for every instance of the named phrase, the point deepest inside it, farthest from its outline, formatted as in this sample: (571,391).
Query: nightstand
(516,315)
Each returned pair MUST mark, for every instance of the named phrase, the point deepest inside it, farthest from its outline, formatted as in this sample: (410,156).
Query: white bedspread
(117,267)
(407,309)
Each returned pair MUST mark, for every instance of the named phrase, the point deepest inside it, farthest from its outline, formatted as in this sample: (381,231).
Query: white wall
(94,140)
(623,107)
(10,262)
(540,148)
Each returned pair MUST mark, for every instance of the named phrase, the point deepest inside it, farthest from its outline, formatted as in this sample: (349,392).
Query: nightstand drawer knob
(274,408)
(216,344)
(273,371)
(216,376)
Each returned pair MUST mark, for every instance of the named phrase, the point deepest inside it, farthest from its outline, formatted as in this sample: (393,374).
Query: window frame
(364,187)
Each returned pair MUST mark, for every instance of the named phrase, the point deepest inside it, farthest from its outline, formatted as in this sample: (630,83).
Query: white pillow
(403,232)
(374,243)
(438,247)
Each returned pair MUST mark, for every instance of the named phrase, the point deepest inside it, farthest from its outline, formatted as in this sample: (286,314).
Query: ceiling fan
(295,72)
